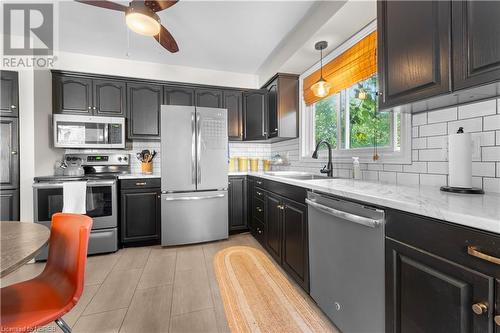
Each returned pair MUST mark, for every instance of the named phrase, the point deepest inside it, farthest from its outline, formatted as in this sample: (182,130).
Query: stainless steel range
(101,174)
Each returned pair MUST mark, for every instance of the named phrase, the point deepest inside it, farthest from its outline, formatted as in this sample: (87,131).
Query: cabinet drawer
(258,209)
(258,193)
(139,183)
(444,239)
(259,231)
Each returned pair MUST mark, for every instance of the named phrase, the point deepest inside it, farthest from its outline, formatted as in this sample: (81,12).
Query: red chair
(46,298)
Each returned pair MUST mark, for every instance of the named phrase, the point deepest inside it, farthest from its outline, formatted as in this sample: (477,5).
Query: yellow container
(242,163)
(232,164)
(147,167)
(254,164)
(266,164)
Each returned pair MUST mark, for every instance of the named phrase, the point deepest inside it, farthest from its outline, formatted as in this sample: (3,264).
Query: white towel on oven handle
(75,197)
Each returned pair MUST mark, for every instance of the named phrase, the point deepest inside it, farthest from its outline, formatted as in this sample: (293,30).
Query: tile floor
(148,289)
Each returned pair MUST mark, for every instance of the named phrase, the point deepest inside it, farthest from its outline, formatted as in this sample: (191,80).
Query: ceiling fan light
(143,21)
(321,88)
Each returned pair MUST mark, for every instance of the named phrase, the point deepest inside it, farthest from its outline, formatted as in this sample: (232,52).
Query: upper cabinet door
(476,43)
(233,102)
(109,98)
(179,96)
(413,50)
(143,110)
(272,90)
(210,98)
(255,111)
(72,95)
(9,153)
(9,101)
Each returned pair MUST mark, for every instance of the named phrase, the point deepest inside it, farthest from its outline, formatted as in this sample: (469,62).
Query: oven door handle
(60,184)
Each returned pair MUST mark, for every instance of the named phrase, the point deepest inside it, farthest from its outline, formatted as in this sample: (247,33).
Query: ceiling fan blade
(166,40)
(104,4)
(157,5)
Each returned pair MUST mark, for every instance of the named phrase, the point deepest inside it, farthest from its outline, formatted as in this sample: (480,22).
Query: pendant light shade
(322,87)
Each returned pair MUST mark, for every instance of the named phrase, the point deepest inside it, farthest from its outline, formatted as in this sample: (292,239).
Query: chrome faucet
(328,169)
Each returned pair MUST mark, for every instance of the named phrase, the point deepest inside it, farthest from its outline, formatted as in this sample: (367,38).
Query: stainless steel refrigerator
(194,165)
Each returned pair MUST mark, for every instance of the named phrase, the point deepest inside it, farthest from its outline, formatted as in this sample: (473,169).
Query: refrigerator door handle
(193,149)
(195,198)
(198,148)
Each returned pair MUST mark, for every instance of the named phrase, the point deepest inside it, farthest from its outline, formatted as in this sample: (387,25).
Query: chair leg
(62,324)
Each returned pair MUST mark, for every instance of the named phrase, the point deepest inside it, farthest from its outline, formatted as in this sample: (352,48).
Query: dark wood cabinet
(283,106)
(476,43)
(255,114)
(143,110)
(437,286)
(237,193)
(9,92)
(295,242)
(273,226)
(233,102)
(9,205)
(413,50)
(174,95)
(496,314)
(210,98)
(72,95)
(140,218)
(109,98)
(9,162)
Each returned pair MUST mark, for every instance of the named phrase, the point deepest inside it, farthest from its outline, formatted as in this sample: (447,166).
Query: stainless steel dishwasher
(346,258)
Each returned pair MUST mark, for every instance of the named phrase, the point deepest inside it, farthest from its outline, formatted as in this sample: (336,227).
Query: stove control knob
(119,159)
(125,158)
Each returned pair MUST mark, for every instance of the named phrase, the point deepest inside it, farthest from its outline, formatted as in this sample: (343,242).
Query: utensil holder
(147,167)
(254,164)
(266,165)
(242,164)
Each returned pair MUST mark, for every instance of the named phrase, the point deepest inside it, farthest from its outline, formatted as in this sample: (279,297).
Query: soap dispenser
(356,169)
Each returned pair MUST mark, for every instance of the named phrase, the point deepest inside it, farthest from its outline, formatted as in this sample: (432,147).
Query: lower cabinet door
(237,204)
(273,226)
(140,215)
(295,242)
(425,293)
(9,205)
(496,319)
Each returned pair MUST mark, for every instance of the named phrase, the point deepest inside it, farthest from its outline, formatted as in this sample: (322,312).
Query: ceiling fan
(141,17)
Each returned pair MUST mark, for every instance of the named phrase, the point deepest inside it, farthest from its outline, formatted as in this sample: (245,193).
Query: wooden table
(20,242)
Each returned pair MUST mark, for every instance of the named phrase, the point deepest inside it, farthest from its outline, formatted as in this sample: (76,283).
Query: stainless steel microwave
(75,131)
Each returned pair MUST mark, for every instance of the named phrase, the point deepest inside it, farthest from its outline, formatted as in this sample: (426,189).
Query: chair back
(68,244)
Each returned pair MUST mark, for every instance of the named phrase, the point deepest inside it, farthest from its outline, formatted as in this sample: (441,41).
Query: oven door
(72,131)
(101,202)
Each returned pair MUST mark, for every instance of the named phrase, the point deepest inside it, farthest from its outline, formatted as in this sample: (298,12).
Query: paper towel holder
(462,190)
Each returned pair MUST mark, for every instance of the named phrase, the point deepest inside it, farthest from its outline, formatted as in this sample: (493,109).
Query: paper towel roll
(460,160)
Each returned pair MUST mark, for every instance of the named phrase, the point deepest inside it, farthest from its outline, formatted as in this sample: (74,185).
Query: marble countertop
(139,175)
(472,210)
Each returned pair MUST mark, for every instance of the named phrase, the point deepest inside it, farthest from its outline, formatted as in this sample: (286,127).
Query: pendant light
(322,87)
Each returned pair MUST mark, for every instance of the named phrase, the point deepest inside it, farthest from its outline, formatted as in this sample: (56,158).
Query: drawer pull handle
(259,209)
(259,182)
(140,184)
(472,250)
(259,231)
(259,193)
(479,308)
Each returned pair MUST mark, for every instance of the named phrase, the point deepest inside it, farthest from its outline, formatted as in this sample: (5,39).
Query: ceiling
(234,36)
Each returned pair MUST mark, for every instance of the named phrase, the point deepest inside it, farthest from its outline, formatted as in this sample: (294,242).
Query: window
(351,123)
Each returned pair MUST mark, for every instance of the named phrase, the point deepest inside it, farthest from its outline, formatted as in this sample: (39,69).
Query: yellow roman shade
(356,64)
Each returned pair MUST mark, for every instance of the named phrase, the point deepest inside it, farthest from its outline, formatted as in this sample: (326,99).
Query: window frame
(307,124)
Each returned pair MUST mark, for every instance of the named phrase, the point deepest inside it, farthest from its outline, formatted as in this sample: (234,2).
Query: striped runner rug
(257,297)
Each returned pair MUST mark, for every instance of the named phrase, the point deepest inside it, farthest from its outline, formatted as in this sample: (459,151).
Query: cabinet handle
(13,152)
(258,209)
(259,231)
(13,107)
(479,308)
(282,207)
(259,182)
(90,108)
(140,184)
(94,108)
(497,320)
(258,193)
(472,250)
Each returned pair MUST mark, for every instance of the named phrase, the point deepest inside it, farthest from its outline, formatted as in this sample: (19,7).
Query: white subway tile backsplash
(370,175)
(416,167)
(491,184)
(414,155)
(477,182)
(414,132)
(431,155)
(419,143)
(469,125)
(433,180)
(477,109)
(419,119)
(492,123)
(491,153)
(387,177)
(437,167)
(408,179)
(484,169)
(437,141)
(439,116)
(375,166)
(497,138)
(433,129)
(393,167)
(484,138)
